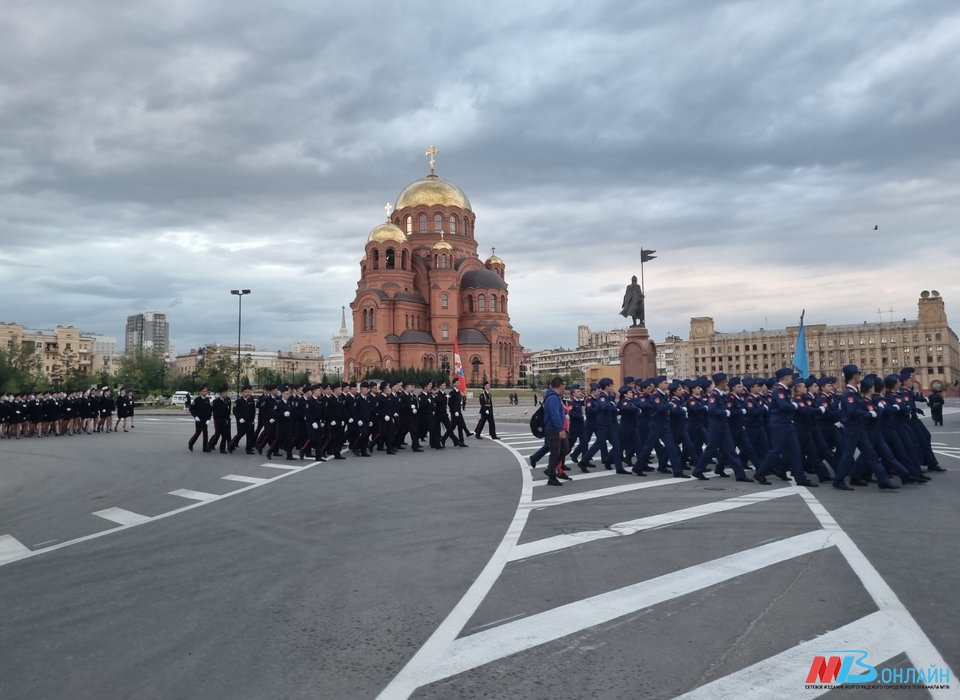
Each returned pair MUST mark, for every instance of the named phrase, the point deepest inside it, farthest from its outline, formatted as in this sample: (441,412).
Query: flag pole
(642,286)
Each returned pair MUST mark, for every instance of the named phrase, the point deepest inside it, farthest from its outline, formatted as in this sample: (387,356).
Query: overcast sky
(154,155)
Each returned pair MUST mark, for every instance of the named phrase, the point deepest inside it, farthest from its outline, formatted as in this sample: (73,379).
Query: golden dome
(430,191)
(494,259)
(387,232)
(442,244)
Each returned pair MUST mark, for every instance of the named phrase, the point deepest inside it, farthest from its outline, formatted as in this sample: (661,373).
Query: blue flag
(801,364)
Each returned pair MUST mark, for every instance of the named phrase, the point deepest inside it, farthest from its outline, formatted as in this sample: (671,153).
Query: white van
(179,398)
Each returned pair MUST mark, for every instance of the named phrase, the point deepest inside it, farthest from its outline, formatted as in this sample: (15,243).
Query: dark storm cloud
(157,154)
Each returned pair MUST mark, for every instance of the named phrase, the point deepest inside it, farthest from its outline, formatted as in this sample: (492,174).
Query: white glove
(685,411)
(197,419)
(387,418)
(350,421)
(728,413)
(766,407)
(333,422)
(823,409)
(273,420)
(795,404)
(456,414)
(414,411)
(873,414)
(360,423)
(242,421)
(286,414)
(314,426)
(743,411)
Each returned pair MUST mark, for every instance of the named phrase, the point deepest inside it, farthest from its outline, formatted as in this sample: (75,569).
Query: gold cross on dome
(431,154)
(493,250)
(388,207)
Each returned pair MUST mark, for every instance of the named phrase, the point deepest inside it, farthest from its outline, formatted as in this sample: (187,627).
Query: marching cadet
(577,419)
(428,432)
(753,419)
(106,407)
(659,431)
(784,443)
(606,429)
(283,418)
(922,435)
(201,411)
(457,402)
(872,389)
(589,428)
(719,440)
(244,413)
(854,414)
(805,424)
(628,426)
(486,413)
(220,410)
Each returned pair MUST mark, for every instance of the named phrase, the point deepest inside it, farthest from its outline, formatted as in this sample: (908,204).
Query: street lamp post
(239,294)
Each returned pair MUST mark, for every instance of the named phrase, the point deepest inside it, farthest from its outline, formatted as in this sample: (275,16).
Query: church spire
(343,319)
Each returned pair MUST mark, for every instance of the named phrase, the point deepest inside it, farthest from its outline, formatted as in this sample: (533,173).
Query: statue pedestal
(638,354)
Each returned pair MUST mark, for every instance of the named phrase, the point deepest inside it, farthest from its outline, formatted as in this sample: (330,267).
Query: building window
(937,337)
(391,259)
(373,320)
(503,303)
(363,315)
(376,259)
(481,303)
(403,260)
(493,303)
(444,331)
(437,223)
(422,221)
(409,224)
(453,224)
(444,300)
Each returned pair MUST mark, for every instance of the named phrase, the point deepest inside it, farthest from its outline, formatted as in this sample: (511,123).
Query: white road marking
(783,675)
(196,495)
(245,479)
(292,467)
(579,477)
(12,549)
(122,516)
(955,455)
(631,527)
(26,553)
(409,678)
(612,491)
(528,632)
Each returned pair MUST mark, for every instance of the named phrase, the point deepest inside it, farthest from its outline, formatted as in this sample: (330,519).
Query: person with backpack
(555,426)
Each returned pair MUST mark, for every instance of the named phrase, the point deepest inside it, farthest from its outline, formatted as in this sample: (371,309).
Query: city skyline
(256,149)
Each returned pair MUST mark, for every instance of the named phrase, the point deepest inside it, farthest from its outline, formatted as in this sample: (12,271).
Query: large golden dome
(430,191)
(387,232)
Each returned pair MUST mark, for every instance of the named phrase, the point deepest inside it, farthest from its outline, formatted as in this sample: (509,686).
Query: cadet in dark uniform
(719,441)
(220,410)
(457,402)
(486,413)
(201,412)
(244,411)
(283,417)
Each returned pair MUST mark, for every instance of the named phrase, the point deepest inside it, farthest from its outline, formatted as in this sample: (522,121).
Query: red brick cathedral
(422,286)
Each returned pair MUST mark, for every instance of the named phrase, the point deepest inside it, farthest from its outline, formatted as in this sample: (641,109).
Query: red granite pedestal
(638,354)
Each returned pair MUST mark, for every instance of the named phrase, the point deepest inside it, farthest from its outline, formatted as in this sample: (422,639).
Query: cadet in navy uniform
(589,428)
(243,411)
(606,428)
(659,432)
(577,419)
(200,410)
(719,440)
(922,434)
(854,412)
(784,443)
(457,401)
(220,410)
(486,413)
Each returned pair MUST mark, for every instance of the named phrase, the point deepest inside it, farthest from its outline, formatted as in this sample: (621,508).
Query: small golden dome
(387,232)
(432,190)
(494,259)
(442,244)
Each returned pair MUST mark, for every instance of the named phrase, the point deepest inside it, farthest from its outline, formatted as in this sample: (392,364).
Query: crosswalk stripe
(611,491)
(195,495)
(122,516)
(513,637)
(11,549)
(291,467)
(631,527)
(783,675)
(955,455)
(245,479)
(580,477)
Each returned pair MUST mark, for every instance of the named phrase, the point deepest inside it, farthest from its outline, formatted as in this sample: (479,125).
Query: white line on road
(631,527)
(245,479)
(196,495)
(528,632)
(292,467)
(783,675)
(579,477)
(11,549)
(955,455)
(611,491)
(122,516)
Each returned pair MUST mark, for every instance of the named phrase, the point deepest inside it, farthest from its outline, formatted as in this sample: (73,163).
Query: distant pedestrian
(936,406)
(555,426)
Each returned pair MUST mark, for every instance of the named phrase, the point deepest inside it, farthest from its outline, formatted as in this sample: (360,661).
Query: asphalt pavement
(130,567)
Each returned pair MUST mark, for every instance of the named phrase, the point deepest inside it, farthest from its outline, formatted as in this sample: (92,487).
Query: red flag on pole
(458,368)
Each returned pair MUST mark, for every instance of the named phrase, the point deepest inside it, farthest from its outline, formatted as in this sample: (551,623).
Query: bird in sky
(876,228)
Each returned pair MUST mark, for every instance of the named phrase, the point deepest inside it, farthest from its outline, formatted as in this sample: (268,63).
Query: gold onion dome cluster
(494,260)
(387,232)
(431,191)
(442,244)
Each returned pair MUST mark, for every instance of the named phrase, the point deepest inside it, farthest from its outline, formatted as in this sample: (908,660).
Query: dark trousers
(244,429)
(812,460)
(720,446)
(201,429)
(605,434)
(221,433)
(660,436)
(559,447)
(785,448)
(284,439)
(586,433)
(486,416)
(923,441)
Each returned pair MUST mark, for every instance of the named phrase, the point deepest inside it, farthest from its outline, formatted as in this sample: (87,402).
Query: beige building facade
(56,353)
(927,343)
